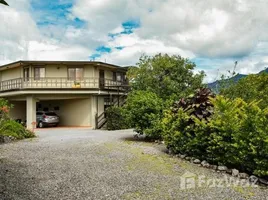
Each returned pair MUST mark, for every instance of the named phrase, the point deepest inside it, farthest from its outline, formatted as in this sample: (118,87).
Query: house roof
(28,62)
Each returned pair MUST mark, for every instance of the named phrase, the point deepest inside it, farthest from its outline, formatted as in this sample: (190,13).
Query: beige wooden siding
(11,74)
(54,71)
(19,110)
(89,71)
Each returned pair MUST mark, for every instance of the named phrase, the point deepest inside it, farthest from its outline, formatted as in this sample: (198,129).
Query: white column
(93,111)
(31,112)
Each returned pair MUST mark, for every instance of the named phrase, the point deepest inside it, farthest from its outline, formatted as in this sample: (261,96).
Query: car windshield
(50,114)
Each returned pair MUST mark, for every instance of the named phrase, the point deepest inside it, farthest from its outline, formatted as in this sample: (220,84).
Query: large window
(75,73)
(39,73)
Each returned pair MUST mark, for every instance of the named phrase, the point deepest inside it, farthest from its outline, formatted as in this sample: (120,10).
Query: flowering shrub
(4,109)
(9,127)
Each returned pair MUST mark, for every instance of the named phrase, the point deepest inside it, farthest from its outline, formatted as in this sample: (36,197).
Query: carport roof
(28,62)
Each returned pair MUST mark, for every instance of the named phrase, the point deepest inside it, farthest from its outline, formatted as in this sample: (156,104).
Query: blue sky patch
(119,48)
(207,63)
(99,51)
(94,56)
(103,49)
(129,26)
(54,13)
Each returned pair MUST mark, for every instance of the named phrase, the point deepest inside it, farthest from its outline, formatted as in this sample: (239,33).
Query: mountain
(264,71)
(214,85)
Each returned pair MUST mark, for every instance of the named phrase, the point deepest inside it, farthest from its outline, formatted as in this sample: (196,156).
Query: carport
(74,111)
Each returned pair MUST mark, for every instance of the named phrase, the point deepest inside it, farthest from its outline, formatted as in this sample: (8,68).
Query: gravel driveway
(89,164)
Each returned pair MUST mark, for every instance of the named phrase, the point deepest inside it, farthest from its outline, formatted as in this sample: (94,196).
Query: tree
(170,77)
(3,2)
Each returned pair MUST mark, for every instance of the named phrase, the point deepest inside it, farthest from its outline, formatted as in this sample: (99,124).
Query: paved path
(88,164)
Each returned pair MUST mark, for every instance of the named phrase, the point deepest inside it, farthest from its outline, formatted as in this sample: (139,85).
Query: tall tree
(170,77)
(3,2)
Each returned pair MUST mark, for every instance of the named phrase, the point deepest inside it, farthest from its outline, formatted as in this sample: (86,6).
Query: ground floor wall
(19,110)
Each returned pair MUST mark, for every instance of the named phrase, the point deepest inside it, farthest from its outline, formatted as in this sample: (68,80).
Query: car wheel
(40,125)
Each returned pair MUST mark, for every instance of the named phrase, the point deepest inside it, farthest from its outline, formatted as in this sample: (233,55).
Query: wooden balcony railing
(59,83)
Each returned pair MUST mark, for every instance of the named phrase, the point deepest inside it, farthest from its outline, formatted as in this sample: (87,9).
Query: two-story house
(75,90)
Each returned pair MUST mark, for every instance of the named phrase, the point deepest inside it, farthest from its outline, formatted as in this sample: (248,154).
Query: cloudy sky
(212,33)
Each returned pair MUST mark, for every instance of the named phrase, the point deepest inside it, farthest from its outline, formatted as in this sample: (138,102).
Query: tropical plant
(14,129)
(198,104)
(179,124)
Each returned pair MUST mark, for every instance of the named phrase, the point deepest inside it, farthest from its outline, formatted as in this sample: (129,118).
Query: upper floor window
(75,73)
(26,74)
(118,76)
(39,73)
(114,76)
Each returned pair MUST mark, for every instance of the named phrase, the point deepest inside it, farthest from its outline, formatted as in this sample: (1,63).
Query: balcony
(61,83)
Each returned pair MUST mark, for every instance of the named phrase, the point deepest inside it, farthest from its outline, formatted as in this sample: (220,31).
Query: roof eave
(97,63)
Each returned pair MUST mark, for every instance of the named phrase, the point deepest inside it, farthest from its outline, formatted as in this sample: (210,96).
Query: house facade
(77,91)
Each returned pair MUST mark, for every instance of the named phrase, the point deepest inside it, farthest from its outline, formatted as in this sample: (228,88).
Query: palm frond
(3,2)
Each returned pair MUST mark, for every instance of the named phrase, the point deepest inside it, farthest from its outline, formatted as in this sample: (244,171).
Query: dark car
(47,119)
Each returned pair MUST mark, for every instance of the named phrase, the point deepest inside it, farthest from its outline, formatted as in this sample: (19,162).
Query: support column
(31,111)
(93,111)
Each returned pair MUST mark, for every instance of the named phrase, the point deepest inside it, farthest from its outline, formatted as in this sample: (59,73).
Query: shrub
(238,135)
(144,109)
(179,124)
(235,135)
(116,118)
(253,87)
(14,129)
(181,134)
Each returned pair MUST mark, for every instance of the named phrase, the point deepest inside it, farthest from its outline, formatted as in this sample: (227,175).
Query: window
(39,73)
(26,74)
(119,77)
(75,73)
(114,76)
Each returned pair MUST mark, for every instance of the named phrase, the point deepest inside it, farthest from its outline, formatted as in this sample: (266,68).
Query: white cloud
(48,51)
(134,47)
(230,29)
(218,31)
(22,39)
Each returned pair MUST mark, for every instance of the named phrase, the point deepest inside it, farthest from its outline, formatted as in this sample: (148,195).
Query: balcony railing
(59,83)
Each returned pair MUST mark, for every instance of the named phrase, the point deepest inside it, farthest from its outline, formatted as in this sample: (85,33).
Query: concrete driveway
(89,164)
